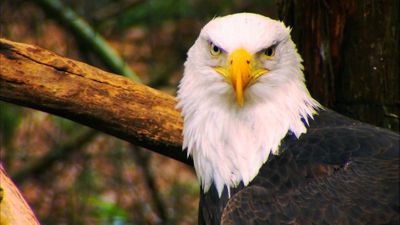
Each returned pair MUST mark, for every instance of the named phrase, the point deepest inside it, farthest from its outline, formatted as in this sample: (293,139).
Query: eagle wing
(340,172)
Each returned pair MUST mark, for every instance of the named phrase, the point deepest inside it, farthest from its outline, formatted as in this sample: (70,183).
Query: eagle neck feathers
(229,144)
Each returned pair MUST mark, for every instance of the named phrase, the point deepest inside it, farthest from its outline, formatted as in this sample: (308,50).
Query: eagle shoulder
(340,172)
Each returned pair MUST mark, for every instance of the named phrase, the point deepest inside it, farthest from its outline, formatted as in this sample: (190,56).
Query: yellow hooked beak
(240,72)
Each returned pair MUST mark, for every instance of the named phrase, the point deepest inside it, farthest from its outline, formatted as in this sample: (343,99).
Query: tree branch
(83,31)
(13,207)
(33,77)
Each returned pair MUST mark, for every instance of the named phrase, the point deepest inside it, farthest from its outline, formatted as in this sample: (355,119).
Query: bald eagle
(266,152)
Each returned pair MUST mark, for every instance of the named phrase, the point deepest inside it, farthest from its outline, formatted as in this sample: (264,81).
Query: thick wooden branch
(34,77)
(13,208)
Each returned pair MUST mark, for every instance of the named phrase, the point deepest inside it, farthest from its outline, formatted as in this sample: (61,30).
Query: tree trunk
(351,55)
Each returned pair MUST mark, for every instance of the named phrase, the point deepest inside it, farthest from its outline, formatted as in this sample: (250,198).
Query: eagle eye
(214,50)
(270,51)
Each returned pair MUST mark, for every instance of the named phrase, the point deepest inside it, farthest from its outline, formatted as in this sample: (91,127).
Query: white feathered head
(243,90)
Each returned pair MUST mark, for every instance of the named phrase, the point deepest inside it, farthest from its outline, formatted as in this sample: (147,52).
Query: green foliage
(65,125)
(155,12)
(176,200)
(89,187)
(108,212)
(152,12)
(10,118)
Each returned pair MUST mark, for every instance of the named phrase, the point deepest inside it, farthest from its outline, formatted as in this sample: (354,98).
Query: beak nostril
(247,61)
(231,62)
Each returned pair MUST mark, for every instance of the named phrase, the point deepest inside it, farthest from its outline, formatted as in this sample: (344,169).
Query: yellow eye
(269,52)
(214,50)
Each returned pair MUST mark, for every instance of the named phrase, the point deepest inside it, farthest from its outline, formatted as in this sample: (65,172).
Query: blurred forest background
(71,174)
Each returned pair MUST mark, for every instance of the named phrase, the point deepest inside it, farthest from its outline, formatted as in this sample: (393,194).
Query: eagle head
(242,91)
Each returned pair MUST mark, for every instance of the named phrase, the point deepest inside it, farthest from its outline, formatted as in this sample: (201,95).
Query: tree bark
(13,208)
(368,82)
(33,77)
(351,57)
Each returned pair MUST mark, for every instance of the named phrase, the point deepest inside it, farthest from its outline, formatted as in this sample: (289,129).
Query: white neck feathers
(228,143)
